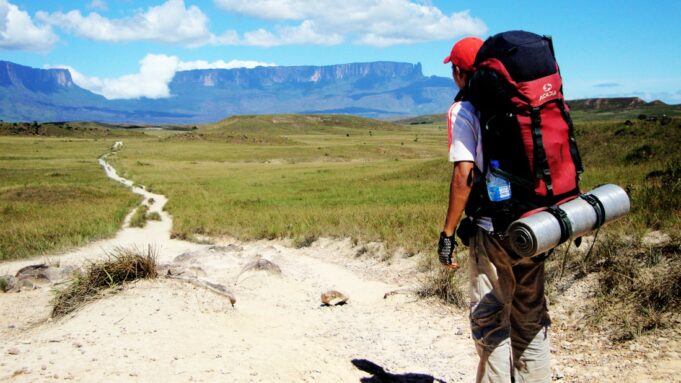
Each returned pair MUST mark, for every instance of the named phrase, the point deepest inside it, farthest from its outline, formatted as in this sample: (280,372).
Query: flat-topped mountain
(377,89)
(615,103)
(34,80)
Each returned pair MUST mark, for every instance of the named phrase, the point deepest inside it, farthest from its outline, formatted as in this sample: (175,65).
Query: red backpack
(525,126)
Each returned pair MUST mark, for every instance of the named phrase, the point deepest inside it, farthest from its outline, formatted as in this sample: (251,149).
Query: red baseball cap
(463,53)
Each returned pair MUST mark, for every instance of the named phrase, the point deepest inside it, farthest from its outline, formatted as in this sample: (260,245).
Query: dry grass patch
(639,287)
(124,265)
(449,285)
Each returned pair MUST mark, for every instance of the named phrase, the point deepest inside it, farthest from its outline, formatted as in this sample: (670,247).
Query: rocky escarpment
(34,80)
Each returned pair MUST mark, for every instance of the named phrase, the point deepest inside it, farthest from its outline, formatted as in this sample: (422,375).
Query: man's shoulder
(463,109)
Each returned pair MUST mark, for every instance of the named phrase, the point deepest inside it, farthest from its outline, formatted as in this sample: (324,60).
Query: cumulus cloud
(18,32)
(170,22)
(99,5)
(368,22)
(305,33)
(220,64)
(155,74)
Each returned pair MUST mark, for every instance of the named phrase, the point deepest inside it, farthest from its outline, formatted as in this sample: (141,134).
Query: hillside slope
(377,89)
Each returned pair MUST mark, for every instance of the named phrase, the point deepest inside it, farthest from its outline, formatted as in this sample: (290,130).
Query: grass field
(291,176)
(341,177)
(53,195)
(302,177)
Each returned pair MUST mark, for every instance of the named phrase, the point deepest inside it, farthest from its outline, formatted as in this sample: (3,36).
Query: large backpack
(525,126)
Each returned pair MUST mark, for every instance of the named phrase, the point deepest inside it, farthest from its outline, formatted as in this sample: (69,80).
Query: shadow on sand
(379,375)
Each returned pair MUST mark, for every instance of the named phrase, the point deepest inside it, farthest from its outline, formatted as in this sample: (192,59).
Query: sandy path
(168,330)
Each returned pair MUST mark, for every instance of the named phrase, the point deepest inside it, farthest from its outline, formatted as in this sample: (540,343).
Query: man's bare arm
(459,190)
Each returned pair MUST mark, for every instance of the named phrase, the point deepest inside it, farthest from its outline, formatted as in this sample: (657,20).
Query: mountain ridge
(380,89)
(377,89)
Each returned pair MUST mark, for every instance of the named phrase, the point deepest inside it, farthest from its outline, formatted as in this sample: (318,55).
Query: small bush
(4,284)
(640,154)
(124,265)
(139,219)
(153,216)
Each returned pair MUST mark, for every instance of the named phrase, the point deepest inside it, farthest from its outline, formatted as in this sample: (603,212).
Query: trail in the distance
(167,330)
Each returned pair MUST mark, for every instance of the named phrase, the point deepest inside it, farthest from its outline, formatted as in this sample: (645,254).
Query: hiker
(509,84)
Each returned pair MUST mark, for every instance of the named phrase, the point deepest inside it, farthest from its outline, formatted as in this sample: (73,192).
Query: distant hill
(377,89)
(297,124)
(620,108)
(608,104)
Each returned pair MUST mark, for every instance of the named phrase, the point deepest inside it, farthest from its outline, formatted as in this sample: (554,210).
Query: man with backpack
(513,148)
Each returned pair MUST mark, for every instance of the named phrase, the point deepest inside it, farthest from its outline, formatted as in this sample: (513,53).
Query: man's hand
(445,248)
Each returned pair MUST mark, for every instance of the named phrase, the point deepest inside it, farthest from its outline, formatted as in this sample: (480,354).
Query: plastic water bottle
(498,188)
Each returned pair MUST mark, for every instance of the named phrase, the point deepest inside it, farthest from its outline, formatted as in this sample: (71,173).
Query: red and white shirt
(463,125)
(465,142)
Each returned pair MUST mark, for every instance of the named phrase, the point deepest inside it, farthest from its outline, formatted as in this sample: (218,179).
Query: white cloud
(220,64)
(155,74)
(367,22)
(170,22)
(18,32)
(99,5)
(305,33)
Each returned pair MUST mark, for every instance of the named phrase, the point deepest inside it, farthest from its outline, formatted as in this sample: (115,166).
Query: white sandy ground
(171,331)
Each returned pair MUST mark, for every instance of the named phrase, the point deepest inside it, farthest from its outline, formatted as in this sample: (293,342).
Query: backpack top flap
(525,61)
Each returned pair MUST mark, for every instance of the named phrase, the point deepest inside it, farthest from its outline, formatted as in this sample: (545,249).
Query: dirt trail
(168,330)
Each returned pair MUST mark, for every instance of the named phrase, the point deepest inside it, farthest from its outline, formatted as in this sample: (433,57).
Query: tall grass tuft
(449,285)
(639,286)
(139,219)
(124,265)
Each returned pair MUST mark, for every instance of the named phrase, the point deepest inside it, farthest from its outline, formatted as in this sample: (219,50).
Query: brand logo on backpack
(548,91)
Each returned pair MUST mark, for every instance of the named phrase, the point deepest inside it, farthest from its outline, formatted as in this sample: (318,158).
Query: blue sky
(127,49)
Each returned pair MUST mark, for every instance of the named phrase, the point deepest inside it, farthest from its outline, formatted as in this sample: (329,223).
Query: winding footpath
(171,331)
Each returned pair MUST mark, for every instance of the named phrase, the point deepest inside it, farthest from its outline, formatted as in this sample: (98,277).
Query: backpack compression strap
(541,163)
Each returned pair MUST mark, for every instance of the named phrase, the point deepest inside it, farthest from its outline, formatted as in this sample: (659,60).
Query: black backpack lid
(527,56)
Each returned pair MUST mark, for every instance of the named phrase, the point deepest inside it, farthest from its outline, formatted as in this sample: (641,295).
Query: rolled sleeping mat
(542,231)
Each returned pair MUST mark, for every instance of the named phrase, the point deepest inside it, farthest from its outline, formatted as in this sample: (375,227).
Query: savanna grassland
(299,177)
(53,195)
(302,177)
(308,176)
